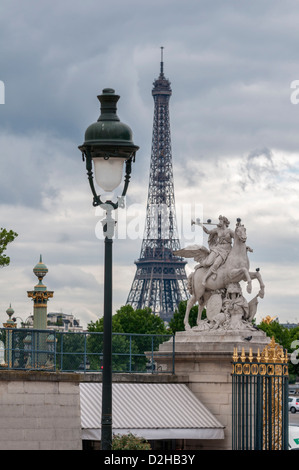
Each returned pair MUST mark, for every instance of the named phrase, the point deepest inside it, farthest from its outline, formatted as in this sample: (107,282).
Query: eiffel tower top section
(160,237)
(162,89)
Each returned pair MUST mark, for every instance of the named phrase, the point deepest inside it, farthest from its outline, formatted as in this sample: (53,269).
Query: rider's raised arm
(207,230)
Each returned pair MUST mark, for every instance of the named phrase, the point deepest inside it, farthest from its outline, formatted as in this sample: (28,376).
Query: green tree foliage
(281,334)
(6,237)
(128,351)
(288,338)
(129,442)
(124,353)
(177,321)
(73,347)
(128,320)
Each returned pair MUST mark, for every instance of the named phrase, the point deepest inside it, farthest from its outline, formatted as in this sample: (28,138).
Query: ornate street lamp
(108,146)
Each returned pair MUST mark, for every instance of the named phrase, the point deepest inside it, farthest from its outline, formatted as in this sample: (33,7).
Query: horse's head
(240,233)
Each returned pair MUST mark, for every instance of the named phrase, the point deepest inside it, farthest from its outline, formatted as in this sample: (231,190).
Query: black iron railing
(53,350)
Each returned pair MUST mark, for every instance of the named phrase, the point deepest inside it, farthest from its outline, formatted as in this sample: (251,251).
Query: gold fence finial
(250,357)
(258,357)
(274,355)
(243,357)
(273,352)
(235,355)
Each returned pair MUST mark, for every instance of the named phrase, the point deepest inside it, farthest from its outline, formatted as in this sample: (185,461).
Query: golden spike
(274,355)
(250,357)
(243,357)
(266,356)
(235,355)
(258,357)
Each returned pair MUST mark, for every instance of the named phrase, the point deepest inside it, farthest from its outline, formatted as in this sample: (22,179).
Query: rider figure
(220,244)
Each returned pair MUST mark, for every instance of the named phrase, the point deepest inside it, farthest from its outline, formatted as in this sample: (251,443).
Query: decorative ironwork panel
(160,281)
(52,350)
(260,399)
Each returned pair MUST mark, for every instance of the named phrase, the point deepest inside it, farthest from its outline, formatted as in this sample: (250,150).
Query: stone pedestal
(206,357)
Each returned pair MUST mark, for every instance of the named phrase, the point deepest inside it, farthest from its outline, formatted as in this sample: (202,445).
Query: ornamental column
(40,296)
(9,337)
(38,356)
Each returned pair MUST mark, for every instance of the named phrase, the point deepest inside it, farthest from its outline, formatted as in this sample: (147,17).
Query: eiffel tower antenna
(161,63)
(160,281)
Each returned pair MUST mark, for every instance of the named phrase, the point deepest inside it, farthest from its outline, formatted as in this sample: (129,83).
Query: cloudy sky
(234,129)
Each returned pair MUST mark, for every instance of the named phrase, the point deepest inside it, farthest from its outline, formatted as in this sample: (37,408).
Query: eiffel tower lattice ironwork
(160,280)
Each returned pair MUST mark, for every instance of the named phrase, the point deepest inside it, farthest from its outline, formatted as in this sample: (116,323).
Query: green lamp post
(107,148)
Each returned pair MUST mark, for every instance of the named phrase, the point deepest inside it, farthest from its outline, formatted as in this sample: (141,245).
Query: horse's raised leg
(235,273)
(249,286)
(190,304)
(199,315)
(248,279)
(257,275)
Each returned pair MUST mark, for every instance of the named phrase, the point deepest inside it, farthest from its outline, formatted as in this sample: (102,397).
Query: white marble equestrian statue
(219,266)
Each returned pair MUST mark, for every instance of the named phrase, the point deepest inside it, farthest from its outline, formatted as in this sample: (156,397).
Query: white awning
(149,410)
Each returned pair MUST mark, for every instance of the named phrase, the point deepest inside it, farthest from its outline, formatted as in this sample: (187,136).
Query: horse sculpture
(234,270)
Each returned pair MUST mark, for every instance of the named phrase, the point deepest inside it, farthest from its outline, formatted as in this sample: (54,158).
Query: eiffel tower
(160,280)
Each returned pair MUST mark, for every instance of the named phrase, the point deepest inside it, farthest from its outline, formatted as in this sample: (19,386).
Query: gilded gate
(260,399)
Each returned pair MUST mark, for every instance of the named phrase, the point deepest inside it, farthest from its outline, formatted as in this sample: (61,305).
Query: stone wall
(39,411)
(210,380)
